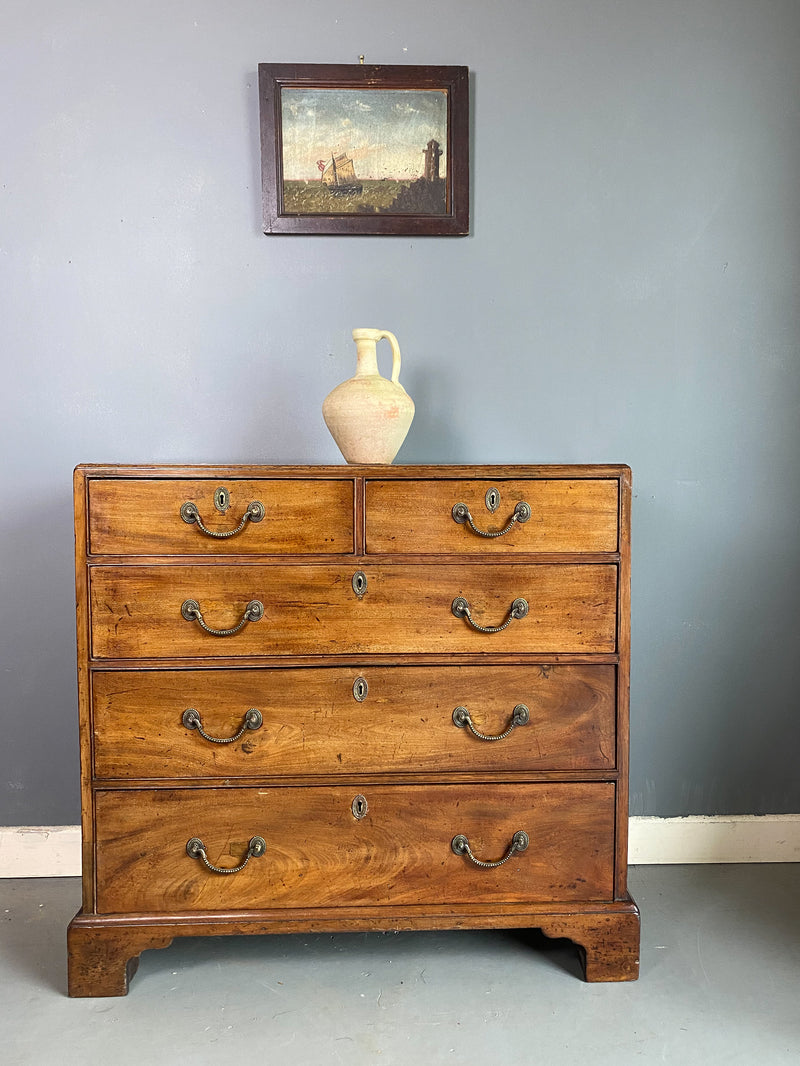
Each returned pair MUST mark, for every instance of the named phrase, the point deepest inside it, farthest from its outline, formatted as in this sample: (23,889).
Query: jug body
(369,415)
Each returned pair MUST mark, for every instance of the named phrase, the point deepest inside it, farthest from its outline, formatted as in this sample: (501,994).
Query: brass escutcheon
(359,583)
(492,500)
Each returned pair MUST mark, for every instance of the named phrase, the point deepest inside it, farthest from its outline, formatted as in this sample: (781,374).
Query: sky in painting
(384,131)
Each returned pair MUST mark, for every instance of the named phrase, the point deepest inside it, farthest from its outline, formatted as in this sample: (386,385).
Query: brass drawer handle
(196,849)
(460,608)
(519,716)
(461,514)
(191,515)
(190,609)
(519,842)
(252,720)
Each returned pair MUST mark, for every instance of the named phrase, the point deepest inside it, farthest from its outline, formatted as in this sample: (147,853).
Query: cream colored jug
(369,415)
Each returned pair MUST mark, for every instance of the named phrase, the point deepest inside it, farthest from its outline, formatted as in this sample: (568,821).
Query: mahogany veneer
(348,778)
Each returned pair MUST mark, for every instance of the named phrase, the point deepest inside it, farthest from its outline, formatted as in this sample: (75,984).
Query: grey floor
(720,984)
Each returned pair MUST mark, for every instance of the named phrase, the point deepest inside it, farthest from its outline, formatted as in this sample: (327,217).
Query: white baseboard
(55,851)
(40,851)
(722,838)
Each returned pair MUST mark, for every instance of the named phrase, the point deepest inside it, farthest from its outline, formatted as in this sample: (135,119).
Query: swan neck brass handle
(519,716)
(519,842)
(190,609)
(191,515)
(461,515)
(252,720)
(461,609)
(196,849)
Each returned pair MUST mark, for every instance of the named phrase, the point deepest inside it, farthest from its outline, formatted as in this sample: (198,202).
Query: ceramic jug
(369,415)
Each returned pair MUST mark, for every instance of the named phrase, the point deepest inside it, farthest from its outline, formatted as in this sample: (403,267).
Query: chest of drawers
(351,698)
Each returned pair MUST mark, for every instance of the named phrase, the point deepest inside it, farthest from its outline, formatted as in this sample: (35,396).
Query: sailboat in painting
(339,176)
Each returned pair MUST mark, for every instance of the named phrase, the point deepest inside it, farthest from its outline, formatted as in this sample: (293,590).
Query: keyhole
(359,583)
(222,500)
(492,500)
(359,807)
(360,689)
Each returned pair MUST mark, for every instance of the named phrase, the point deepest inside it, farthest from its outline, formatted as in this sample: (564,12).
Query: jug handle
(395,354)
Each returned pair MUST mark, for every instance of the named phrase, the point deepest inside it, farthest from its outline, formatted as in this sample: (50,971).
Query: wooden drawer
(143,517)
(318,854)
(565,516)
(313,724)
(313,609)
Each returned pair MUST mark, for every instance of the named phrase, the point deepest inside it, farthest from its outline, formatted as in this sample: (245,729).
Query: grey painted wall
(629,293)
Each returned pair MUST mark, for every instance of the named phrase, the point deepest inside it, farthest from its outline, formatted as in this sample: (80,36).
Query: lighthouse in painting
(432,153)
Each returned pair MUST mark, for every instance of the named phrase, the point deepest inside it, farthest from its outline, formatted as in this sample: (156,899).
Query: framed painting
(364,149)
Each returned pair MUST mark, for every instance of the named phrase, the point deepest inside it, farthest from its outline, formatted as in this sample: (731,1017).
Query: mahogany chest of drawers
(351,698)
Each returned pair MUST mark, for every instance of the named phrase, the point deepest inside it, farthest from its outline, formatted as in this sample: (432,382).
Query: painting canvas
(352,150)
(364,149)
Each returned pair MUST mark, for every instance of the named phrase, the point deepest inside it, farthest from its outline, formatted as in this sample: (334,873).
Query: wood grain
(83,634)
(416,516)
(104,950)
(608,943)
(314,725)
(142,517)
(101,960)
(136,611)
(411,472)
(148,783)
(319,854)
(623,683)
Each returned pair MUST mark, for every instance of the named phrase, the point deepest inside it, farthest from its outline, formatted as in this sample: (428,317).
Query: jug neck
(367,357)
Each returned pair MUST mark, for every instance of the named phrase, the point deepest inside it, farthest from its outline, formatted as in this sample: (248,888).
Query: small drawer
(142,612)
(343,721)
(554,515)
(273,517)
(340,846)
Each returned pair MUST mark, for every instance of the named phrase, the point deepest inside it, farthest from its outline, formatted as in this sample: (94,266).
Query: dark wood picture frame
(315,198)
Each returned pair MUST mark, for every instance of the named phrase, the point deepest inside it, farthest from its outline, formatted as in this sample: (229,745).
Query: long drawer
(322,609)
(140,516)
(336,720)
(563,515)
(318,853)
